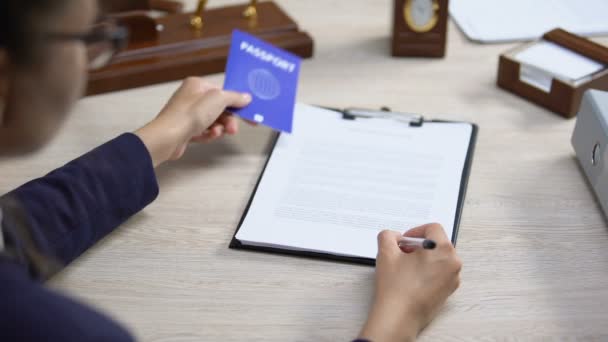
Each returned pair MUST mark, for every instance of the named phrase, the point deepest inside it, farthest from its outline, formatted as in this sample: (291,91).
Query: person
(46,47)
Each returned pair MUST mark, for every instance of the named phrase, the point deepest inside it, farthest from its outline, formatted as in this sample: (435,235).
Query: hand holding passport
(269,74)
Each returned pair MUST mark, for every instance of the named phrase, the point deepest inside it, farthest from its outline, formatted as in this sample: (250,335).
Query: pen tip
(429,244)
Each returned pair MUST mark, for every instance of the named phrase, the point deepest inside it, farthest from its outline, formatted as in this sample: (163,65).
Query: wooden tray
(168,48)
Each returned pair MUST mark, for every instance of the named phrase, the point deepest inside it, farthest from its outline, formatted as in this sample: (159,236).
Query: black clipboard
(353,114)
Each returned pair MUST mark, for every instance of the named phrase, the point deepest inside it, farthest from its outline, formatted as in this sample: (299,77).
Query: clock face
(421,15)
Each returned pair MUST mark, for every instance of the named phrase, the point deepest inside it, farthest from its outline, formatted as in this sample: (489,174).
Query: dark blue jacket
(50,221)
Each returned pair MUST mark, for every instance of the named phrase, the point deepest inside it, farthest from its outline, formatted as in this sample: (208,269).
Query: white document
(546,60)
(333,184)
(491,21)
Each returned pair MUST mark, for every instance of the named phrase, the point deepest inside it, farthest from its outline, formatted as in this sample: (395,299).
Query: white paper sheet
(333,184)
(491,21)
(546,60)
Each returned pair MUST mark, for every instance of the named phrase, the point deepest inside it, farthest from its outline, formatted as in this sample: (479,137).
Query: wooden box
(563,97)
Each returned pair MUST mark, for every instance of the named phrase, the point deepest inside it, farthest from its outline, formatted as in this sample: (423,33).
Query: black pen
(417,242)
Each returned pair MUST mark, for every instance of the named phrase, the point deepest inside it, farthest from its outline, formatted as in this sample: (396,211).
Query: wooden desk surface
(533,240)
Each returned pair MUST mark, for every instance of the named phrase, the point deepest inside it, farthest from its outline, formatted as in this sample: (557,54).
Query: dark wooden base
(178,51)
(410,44)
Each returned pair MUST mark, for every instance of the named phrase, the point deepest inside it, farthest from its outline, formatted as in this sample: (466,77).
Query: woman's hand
(196,112)
(411,286)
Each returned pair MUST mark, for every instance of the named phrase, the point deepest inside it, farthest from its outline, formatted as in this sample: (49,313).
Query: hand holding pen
(411,287)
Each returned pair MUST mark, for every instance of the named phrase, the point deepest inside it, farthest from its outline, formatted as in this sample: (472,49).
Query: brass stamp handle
(196,21)
(252,10)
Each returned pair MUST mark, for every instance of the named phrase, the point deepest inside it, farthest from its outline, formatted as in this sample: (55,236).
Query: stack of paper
(490,21)
(545,60)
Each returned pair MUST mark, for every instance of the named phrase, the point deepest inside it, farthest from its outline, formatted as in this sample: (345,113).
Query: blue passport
(269,74)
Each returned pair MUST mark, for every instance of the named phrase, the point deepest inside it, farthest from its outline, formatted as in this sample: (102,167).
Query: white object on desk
(335,178)
(545,60)
(590,141)
(492,21)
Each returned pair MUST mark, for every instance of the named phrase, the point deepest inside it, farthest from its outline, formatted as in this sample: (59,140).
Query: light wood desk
(533,240)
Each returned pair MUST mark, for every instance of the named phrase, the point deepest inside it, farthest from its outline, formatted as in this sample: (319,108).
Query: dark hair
(19,26)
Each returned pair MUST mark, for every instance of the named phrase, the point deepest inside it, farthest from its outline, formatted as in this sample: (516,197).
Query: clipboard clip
(415,120)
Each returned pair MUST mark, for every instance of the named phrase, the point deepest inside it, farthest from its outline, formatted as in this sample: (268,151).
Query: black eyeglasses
(103,42)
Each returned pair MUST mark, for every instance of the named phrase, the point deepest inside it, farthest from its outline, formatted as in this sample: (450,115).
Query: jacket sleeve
(30,312)
(52,220)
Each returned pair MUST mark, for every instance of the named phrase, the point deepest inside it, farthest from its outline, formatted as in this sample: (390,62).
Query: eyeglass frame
(118,37)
